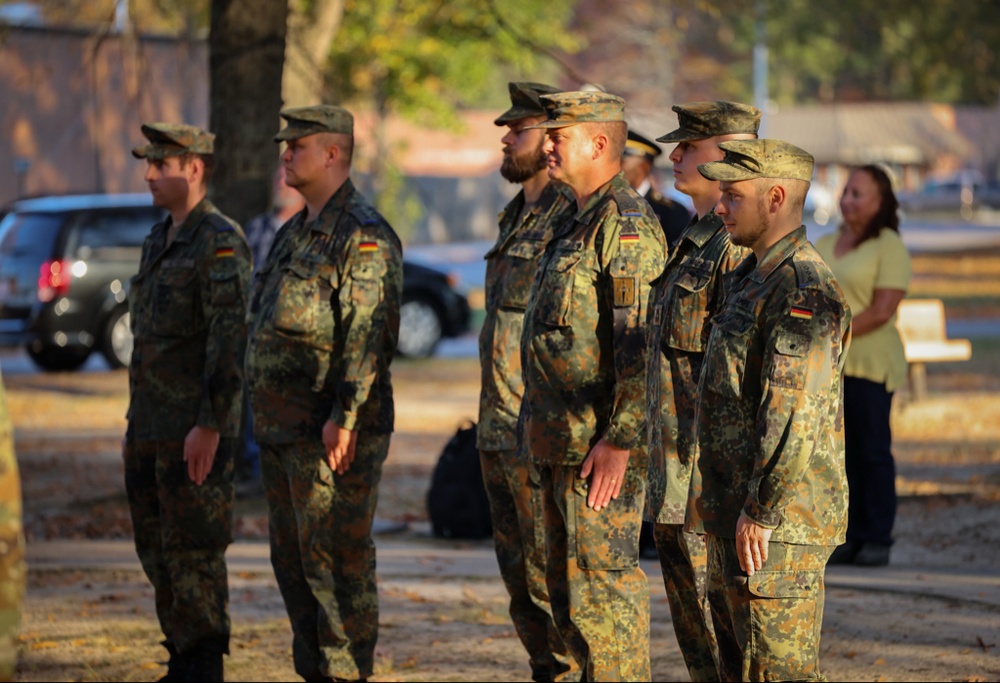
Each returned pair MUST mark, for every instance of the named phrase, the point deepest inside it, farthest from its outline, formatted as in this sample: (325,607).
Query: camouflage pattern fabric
(570,108)
(324,324)
(188,309)
(513,494)
(760,158)
(599,595)
(583,358)
(173,139)
(181,534)
(512,487)
(330,592)
(583,346)
(703,120)
(684,560)
(325,320)
(187,306)
(770,421)
(769,624)
(682,301)
(771,437)
(13,570)
(510,271)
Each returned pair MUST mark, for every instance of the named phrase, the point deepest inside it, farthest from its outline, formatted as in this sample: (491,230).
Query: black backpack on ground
(456,502)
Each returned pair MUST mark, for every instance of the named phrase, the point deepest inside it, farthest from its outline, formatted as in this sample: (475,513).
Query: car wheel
(116,340)
(56,358)
(420,328)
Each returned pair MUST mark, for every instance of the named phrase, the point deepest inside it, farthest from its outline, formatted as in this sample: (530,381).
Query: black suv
(65,266)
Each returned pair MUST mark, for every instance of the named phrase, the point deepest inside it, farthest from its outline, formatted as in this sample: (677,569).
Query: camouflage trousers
(519,539)
(684,561)
(181,534)
(12,564)
(598,593)
(768,625)
(323,554)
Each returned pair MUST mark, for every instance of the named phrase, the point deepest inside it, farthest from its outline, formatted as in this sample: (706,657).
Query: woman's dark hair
(888,210)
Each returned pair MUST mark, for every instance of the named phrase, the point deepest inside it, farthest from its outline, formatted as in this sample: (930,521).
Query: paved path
(402,556)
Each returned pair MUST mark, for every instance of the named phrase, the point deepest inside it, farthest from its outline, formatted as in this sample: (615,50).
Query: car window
(113,235)
(29,237)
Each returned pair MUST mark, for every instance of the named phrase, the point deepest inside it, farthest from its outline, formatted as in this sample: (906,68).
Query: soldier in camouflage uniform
(12,565)
(582,354)
(773,499)
(526,226)
(188,308)
(325,320)
(685,297)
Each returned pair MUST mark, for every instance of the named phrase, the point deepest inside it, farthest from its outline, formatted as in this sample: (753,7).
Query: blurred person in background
(872,265)
(637,164)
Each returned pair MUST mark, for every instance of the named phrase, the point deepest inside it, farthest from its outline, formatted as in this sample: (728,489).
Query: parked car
(961,194)
(65,266)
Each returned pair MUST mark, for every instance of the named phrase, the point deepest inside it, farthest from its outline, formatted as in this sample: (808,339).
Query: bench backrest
(921,320)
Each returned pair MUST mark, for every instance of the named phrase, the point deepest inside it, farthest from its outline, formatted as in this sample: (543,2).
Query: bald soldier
(187,306)
(526,227)
(582,354)
(770,422)
(683,301)
(325,321)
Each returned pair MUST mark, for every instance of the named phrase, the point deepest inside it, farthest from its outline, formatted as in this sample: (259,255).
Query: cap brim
(681,135)
(516,114)
(139,152)
(554,124)
(723,172)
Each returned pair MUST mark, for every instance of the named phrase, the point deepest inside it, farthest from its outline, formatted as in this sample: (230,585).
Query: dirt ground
(99,625)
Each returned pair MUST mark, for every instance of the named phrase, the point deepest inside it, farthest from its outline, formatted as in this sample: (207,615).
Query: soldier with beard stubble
(526,226)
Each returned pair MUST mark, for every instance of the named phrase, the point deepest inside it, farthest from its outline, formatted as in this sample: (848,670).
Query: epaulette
(364,213)
(808,275)
(628,207)
(219,223)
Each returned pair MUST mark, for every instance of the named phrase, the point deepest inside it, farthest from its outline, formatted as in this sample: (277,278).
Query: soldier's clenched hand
(607,464)
(339,444)
(200,446)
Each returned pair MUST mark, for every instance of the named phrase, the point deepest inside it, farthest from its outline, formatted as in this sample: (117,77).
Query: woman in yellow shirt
(872,266)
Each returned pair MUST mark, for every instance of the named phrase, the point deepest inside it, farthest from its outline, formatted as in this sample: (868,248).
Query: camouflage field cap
(748,159)
(640,146)
(701,120)
(570,108)
(173,139)
(320,118)
(524,101)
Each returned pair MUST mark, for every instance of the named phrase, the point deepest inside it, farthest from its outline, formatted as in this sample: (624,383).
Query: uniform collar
(701,230)
(779,253)
(186,231)
(596,200)
(335,205)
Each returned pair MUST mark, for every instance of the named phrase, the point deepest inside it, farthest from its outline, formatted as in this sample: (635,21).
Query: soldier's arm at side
(369,297)
(227,272)
(801,360)
(629,265)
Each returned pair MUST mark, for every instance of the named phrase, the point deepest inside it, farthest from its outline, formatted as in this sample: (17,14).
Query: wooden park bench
(921,325)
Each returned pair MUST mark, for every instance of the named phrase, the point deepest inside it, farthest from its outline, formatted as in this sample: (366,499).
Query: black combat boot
(176,665)
(204,663)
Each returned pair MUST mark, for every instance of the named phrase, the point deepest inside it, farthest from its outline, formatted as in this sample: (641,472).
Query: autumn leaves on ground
(100,625)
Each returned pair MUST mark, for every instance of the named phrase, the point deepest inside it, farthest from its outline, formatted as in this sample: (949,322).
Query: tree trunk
(246,55)
(311,30)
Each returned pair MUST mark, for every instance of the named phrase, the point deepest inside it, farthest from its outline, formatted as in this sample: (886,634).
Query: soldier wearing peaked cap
(683,301)
(526,227)
(637,165)
(582,354)
(773,498)
(187,307)
(324,324)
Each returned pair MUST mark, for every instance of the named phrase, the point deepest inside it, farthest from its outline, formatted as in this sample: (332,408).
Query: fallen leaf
(879,662)
(43,645)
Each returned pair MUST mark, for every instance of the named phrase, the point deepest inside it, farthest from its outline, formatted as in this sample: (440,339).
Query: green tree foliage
(857,50)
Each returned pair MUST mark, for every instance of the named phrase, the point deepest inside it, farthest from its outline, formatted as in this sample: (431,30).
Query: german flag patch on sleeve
(224,252)
(367,247)
(801,313)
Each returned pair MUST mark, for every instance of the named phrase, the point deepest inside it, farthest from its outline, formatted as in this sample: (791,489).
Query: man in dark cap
(773,496)
(637,165)
(188,310)
(325,321)
(526,226)
(582,354)
(682,302)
